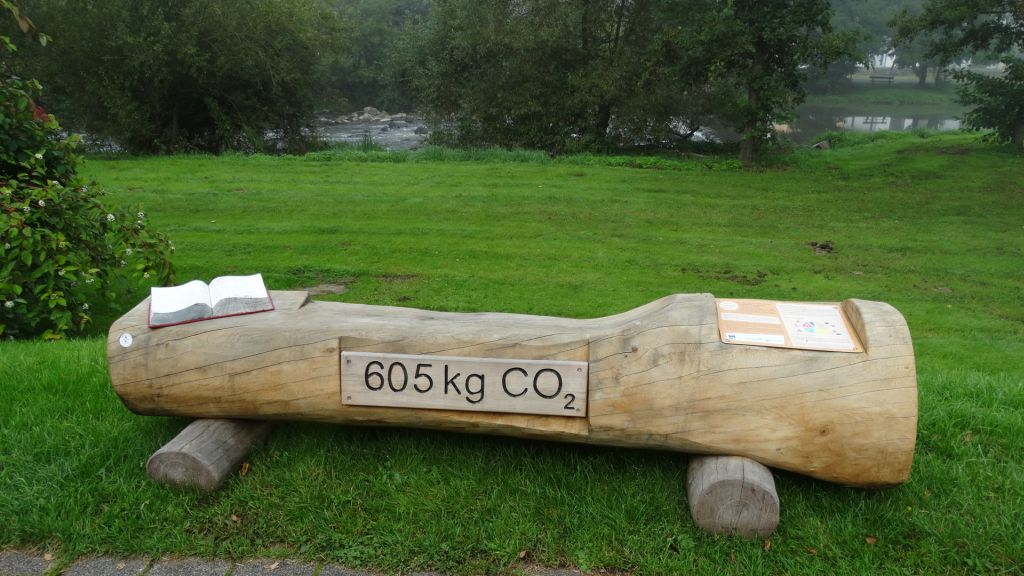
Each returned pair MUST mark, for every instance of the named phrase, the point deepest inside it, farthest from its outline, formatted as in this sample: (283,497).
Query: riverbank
(859,107)
(863,107)
(910,98)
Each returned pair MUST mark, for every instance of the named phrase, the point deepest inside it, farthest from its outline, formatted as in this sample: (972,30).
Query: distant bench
(882,78)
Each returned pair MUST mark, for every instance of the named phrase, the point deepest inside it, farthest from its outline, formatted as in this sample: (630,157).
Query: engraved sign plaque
(543,387)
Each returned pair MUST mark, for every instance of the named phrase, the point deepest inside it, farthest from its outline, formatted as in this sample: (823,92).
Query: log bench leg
(732,495)
(205,453)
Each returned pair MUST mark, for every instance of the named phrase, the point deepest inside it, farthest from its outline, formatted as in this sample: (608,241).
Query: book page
(237,287)
(175,298)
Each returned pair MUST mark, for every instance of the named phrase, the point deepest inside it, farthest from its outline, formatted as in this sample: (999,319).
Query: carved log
(205,453)
(732,495)
(654,377)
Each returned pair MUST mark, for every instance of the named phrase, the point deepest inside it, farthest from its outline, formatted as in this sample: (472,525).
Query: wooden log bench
(656,377)
(879,78)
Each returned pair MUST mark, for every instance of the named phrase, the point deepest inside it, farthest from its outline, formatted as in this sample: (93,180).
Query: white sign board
(545,387)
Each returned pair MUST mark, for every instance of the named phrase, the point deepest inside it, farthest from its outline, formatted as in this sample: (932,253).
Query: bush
(64,252)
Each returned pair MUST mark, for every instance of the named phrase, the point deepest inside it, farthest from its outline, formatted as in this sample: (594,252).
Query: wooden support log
(205,453)
(657,377)
(732,495)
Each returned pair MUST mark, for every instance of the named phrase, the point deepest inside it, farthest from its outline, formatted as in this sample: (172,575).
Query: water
(391,134)
(813,121)
(409,133)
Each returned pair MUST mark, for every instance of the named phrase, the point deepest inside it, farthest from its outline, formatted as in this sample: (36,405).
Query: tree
(63,252)
(873,21)
(985,27)
(159,76)
(914,52)
(996,102)
(599,73)
(869,20)
(544,74)
(369,71)
(764,48)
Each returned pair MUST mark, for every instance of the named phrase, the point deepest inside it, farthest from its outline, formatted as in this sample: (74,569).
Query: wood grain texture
(732,495)
(659,377)
(205,453)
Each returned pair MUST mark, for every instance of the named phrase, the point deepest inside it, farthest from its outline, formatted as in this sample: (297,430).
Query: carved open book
(223,296)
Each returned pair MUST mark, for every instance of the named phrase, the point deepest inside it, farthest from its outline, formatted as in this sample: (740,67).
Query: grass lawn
(934,226)
(900,99)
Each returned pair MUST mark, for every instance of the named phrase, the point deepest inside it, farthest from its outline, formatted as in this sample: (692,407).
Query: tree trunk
(750,125)
(1018,135)
(585,29)
(620,15)
(747,151)
(604,118)
(922,74)
(940,76)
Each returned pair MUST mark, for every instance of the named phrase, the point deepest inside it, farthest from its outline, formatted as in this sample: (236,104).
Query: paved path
(20,563)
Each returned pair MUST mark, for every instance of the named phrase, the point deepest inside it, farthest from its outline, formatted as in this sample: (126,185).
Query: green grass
(933,225)
(900,99)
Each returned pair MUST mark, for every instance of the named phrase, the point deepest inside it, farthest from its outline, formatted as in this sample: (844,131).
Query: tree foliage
(979,26)
(996,103)
(873,21)
(986,27)
(603,72)
(765,48)
(63,251)
(160,76)
(543,74)
(865,23)
(369,72)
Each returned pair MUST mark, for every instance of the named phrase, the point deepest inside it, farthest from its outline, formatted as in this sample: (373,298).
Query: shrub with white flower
(71,237)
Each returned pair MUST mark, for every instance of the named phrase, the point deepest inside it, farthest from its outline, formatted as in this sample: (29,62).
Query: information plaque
(803,325)
(543,387)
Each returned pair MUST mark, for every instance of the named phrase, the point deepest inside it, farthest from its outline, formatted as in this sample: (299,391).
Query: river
(410,132)
(812,121)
